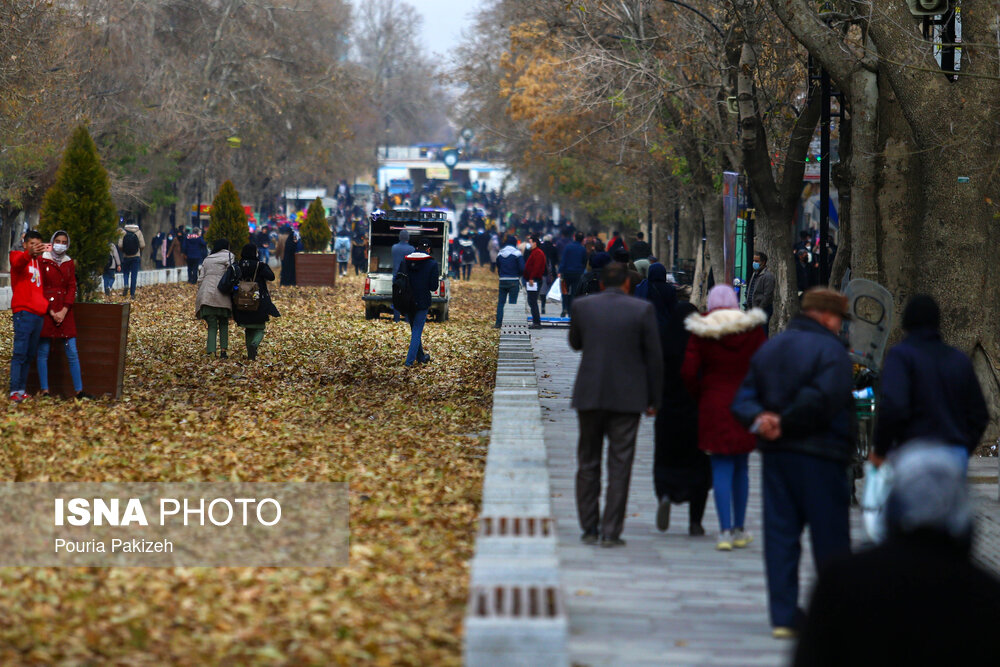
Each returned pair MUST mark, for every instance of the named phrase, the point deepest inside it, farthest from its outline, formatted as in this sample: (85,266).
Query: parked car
(431,226)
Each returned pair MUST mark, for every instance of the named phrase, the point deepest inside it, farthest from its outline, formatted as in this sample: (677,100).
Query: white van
(431,226)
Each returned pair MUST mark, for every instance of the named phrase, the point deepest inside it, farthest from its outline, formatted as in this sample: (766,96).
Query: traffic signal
(928,7)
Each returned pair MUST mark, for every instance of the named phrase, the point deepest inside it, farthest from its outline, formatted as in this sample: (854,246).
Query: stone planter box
(315,269)
(101,340)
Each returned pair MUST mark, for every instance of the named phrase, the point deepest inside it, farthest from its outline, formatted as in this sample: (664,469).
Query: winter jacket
(26,284)
(176,250)
(760,292)
(534,268)
(158,253)
(929,391)
(138,232)
(59,287)
(423,271)
(209,274)
(510,263)
(617,243)
(640,250)
(265,309)
(494,249)
(195,248)
(715,362)
(574,259)
(342,246)
(805,376)
(468,251)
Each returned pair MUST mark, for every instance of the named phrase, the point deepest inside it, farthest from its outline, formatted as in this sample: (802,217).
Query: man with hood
(399,253)
(424,273)
(131,244)
(510,268)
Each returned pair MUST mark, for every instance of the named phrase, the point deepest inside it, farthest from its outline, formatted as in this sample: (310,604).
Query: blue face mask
(756,266)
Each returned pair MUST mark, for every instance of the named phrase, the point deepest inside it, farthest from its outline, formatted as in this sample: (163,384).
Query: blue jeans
(731,484)
(27,331)
(130,270)
(71,356)
(801,490)
(109,280)
(508,290)
(263,254)
(416,351)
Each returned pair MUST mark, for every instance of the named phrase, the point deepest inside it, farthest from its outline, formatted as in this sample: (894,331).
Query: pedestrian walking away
(929,390)
(640,249)
(195,251)
(760,291)
(534,272)
(620,377)
(253,317)
(423,273)
(113,266)
(797,397)
(571,268)
(510,268)
(289,248)
(342,247)
(59,326)
(681,471)
(715,362)
(212,304)
(131,243)
(399,252)
(29,306)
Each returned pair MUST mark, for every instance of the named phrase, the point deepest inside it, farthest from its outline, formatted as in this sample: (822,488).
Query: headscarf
(599,260)
(249,252)
(58,258)
(220,244)
(657,273)
(722,296)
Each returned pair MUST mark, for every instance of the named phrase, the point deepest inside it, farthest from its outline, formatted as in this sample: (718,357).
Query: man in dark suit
(620,377)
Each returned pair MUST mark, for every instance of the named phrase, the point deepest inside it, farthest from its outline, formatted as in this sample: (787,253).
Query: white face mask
(59,248)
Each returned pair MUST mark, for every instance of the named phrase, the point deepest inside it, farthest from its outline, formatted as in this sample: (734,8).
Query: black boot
(251,348)
(697,512)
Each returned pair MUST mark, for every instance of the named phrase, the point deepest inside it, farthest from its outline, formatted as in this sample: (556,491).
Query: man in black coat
(929,390)
(423,272)
(640,249)
(619,378)
(797,398)
(917,599)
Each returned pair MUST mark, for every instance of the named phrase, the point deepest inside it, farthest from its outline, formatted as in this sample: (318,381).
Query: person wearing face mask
(760,292)
(797,399)
(59,286)
(29,306)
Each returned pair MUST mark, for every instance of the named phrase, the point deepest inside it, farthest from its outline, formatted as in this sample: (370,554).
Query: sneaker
(782,632)
(425,360)
(18,396)
(590,537)
(741,538)
(663,516)
(725,541)
(696,531)
(223,355)
(496,326)
(84,396)
(611,542)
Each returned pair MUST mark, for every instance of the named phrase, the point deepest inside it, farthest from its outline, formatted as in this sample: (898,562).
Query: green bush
(228,220)
(80,204)
(315,231)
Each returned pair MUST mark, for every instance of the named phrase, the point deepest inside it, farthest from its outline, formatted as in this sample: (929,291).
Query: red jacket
(716,360)
(534,268)
(26,283)
(59,286)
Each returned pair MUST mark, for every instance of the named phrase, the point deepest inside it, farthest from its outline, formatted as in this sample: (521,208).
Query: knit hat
(599,260)
(722,296)
(826,300)
(921,312)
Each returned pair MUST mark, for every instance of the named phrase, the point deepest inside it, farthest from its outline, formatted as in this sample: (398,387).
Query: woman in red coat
(59,286)
(715,362)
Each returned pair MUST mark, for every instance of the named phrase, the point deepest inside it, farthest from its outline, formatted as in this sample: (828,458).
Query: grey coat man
(620,377)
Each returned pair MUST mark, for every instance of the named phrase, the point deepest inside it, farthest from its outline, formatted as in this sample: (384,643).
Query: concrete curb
(516,615)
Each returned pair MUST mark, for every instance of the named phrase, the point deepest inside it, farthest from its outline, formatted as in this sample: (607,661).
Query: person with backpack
(398,253)
(412,287)
(342,246)
(510,268)
(212,304)
(252,305)
(132,244)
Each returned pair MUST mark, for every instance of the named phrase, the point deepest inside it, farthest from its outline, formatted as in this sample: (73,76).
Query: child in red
(29,306)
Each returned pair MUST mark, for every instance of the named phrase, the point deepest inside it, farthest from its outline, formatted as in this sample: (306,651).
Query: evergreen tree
(228,219)
(315,231)
(80,204)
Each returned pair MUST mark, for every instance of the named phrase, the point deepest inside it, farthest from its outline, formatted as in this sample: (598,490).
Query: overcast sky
(443,22)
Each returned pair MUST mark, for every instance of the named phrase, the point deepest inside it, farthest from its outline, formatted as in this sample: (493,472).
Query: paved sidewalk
(667,599)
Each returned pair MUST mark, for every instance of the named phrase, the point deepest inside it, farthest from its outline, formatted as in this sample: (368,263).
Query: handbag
(555,292)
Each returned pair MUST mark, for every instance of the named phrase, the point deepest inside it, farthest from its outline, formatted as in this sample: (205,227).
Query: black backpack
(130,244)
(403,299)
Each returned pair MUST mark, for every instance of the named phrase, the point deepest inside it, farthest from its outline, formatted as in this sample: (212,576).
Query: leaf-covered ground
(327,400)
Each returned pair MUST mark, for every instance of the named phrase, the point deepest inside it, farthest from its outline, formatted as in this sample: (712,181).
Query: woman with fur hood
(715,362)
